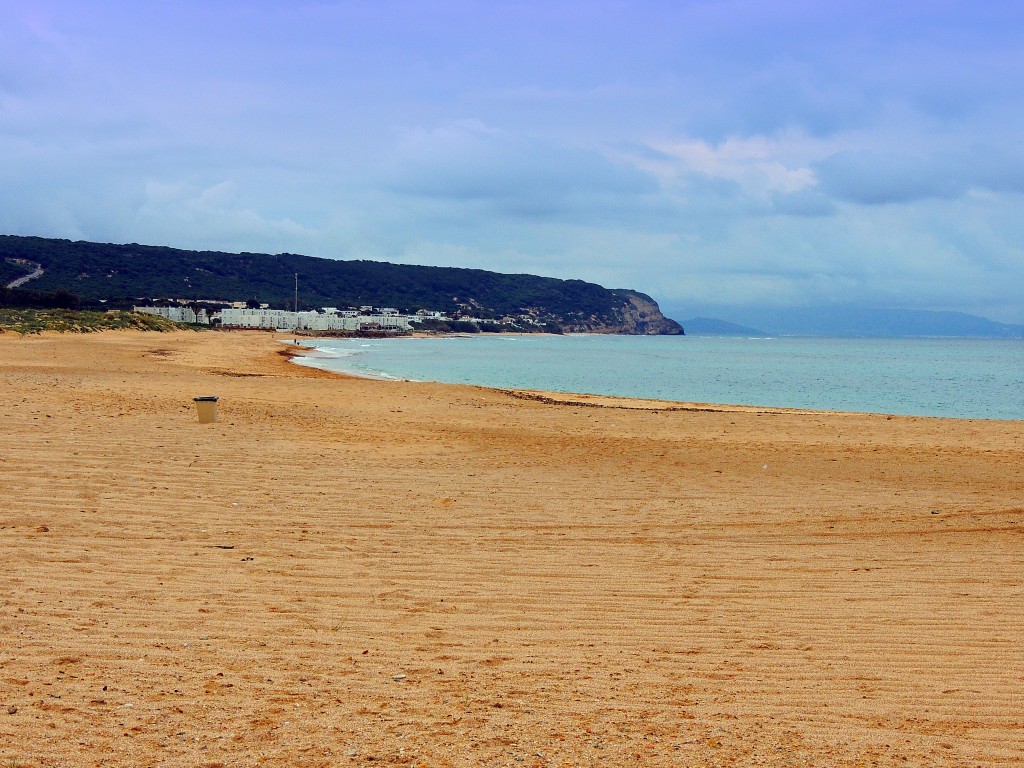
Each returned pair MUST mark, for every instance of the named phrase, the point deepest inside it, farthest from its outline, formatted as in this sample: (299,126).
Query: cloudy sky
(748,152)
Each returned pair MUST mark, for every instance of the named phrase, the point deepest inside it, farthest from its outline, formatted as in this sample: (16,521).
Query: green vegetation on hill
(9,271)
(28,321)
(122,274)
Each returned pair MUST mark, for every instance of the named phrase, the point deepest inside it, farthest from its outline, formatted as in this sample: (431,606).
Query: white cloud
(213,215)
(755,163)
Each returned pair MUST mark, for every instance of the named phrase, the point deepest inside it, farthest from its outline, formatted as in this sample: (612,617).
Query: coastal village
(327,320)
(242,315)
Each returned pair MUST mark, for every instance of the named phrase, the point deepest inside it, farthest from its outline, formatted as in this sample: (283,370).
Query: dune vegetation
(29,321)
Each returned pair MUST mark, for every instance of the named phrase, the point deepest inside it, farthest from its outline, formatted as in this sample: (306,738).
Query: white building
(269,319)
(235,317)
(384,322)
(327,321)
(177,314)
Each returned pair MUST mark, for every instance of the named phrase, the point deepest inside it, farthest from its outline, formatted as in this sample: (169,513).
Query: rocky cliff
(636,314)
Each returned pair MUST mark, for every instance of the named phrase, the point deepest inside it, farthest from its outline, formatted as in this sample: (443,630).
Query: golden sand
(350,572)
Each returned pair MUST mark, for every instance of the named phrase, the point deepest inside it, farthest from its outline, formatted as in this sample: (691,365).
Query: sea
(959,378)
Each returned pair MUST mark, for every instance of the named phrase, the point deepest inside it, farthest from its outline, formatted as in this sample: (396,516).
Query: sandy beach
(352,572)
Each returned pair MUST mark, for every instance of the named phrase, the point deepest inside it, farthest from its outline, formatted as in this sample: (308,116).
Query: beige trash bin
(207,407)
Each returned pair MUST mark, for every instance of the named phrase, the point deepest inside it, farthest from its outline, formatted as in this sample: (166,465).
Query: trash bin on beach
(207,407)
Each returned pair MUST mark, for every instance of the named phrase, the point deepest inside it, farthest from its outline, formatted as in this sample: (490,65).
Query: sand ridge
(350,572)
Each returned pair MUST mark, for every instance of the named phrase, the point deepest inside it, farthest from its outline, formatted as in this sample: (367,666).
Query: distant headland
(106,275)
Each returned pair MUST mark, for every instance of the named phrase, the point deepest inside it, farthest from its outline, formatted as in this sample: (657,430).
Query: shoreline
(342,573)
(587,399)
(307,359)
(579,399)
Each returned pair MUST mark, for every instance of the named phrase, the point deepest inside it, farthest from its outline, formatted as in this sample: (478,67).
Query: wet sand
(352,572)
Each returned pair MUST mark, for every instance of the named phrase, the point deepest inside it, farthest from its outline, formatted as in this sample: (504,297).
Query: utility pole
(296,292)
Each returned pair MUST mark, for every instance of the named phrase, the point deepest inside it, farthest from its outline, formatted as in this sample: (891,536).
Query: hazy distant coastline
(848,322)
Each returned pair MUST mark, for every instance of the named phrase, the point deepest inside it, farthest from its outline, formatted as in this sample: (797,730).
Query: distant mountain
(873,323)
(122,274)
(709,326)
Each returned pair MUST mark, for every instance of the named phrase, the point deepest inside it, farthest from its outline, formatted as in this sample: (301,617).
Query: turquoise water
(966,378)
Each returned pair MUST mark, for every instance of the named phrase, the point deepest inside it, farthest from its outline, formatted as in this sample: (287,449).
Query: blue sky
(708,153)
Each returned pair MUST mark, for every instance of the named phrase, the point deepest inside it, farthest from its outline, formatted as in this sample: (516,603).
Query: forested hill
(122,274)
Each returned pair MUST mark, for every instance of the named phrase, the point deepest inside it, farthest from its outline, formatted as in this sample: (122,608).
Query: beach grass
(33,321)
